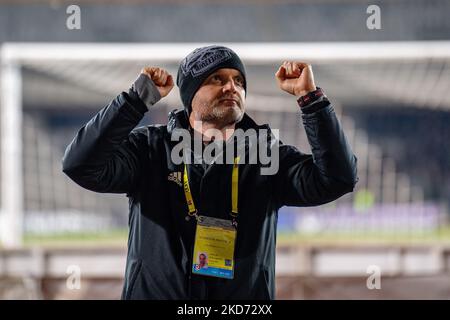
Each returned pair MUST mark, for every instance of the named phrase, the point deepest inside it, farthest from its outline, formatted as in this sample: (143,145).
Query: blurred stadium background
(390,87)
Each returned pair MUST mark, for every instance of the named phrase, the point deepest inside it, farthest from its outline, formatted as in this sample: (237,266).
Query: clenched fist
(161,78)
(295,78)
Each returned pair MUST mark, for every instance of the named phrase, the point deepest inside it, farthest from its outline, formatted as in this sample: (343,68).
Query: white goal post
(14,55)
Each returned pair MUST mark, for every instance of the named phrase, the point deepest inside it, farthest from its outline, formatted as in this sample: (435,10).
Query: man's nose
(230,86)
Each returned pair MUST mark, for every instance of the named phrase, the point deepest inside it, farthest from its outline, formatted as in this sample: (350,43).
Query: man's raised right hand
(161,78)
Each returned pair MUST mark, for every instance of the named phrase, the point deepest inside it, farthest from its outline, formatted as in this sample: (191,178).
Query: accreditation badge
(214,248)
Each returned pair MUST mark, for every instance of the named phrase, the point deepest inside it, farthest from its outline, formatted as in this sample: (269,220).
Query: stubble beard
(220,114)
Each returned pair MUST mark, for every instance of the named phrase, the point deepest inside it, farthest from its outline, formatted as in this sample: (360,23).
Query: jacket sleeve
(106,153)
(327,174)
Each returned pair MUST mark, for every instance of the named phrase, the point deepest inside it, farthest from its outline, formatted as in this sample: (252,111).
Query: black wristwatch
(310,97)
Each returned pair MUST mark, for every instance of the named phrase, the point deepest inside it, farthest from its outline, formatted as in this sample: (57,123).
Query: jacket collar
(178,120)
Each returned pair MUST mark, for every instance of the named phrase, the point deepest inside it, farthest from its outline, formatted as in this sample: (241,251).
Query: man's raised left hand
(295,78)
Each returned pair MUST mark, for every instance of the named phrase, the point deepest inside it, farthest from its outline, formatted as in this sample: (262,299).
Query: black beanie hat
(199,64)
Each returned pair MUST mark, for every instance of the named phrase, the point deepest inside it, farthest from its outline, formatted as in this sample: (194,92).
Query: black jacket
(109,155)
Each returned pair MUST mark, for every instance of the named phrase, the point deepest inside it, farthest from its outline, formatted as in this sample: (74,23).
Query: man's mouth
(229,101)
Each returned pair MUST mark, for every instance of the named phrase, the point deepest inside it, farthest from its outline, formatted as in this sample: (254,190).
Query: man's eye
(216,78)
(239,81)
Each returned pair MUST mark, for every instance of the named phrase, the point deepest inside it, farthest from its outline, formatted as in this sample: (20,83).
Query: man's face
(220,99)
(202,259)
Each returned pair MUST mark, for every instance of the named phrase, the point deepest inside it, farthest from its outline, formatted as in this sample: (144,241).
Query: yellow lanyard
(234,191)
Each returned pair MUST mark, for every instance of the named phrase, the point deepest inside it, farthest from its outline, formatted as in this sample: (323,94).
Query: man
(202,261)
(178,210)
